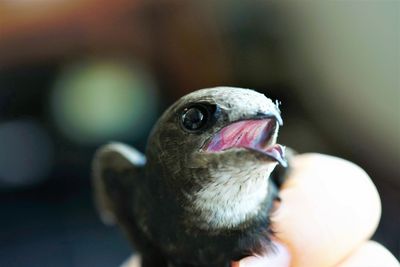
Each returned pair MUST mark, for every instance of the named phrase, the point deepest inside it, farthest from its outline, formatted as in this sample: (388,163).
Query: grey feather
(111,164)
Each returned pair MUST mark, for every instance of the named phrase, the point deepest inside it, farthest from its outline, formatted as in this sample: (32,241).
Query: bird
(203,192)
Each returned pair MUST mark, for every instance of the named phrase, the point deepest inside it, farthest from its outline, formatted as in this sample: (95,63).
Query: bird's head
(215,149)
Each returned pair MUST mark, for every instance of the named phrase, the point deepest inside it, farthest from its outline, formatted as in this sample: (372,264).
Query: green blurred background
(76,74)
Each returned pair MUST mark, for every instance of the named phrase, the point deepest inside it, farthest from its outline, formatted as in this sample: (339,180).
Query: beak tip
(278,118)
(278,112)
(284,163)
(280,121)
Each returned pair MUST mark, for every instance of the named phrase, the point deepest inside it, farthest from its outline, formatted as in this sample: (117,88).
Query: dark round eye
(197,117)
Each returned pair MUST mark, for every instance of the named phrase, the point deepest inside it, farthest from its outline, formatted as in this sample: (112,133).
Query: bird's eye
(197,117)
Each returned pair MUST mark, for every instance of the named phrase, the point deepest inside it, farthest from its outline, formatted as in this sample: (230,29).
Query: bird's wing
(116,170)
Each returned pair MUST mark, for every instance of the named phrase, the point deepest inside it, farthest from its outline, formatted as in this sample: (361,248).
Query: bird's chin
(253,137)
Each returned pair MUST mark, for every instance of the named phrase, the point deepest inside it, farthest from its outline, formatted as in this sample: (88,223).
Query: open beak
(254,134)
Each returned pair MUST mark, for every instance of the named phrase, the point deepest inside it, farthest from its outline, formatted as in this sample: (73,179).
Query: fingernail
(278,257)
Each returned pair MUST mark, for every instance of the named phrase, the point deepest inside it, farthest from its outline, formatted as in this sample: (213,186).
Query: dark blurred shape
(52,30)
(26,153)
(56,226)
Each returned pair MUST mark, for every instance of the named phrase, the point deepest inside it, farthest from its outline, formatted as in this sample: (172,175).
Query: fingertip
(370,254)
(329,207)
(132,261)
(279,256)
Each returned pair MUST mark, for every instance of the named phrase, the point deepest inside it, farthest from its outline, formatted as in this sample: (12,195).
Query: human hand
(329,210)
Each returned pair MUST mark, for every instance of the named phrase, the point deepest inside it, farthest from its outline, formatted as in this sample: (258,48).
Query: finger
(279,257)
(329,207)
(370,254)
(132,261)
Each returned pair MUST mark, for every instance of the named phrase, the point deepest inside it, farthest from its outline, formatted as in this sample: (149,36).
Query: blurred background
(76,74)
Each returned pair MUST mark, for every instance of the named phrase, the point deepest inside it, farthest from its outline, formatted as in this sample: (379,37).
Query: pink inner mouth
(251,134)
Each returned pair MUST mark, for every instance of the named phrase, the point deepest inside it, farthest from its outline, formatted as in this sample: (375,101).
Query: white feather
(233,196)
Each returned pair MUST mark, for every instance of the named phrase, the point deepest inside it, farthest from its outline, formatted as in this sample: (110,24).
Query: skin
(329,210)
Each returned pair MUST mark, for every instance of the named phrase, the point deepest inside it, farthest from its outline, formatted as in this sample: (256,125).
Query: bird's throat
(232,197)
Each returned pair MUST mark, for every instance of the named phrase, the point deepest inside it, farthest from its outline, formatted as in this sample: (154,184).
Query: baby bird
(203,193)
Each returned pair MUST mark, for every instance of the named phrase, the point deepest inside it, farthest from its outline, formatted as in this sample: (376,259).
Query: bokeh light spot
(98,101)
(26,153)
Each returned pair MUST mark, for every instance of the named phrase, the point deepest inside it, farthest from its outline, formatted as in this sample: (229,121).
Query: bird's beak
(257,134)
(276,114)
